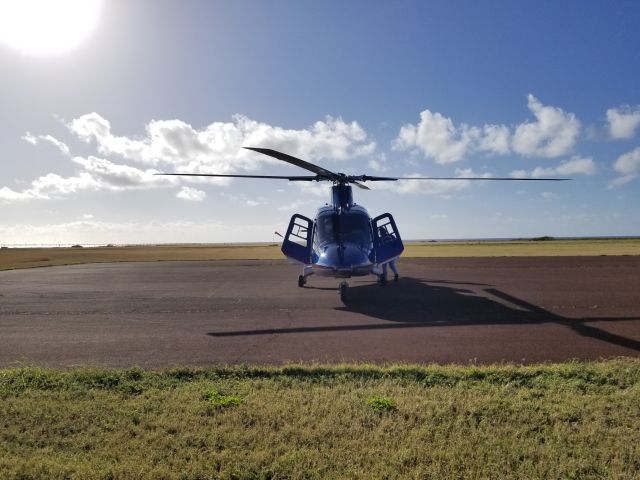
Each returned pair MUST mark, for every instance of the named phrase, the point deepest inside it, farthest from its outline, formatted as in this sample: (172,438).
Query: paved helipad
(442,310)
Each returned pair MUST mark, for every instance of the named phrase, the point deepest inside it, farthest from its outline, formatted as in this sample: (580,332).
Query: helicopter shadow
(439,303)
(417,303)
(431,302)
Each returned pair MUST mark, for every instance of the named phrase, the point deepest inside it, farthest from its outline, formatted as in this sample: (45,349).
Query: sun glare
(47,27)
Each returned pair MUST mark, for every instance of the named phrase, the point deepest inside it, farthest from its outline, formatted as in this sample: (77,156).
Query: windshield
(353,227)
(325,228)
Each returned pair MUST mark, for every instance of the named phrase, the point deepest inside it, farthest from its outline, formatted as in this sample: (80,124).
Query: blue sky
(402,88)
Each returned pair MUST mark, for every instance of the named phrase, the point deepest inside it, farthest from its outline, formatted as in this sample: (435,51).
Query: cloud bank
(218,147)
(175,146)
(552,134)
(575,166)
(126,162)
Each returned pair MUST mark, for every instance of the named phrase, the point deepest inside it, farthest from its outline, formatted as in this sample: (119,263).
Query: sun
(47,27)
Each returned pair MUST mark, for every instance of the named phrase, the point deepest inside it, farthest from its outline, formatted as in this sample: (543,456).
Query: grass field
(568,421)
(40,257)
(525,248)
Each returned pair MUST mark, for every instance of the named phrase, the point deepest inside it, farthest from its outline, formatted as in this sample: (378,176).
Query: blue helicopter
(343,241)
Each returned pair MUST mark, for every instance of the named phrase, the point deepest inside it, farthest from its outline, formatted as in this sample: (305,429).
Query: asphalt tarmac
(443,310)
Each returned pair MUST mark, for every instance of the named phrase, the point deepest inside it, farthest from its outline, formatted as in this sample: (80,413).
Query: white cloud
(628,166)
(8,195)
(217,148)
(467,172)
(53,185)
(96,174)
(174,145)
(436,136)
(191,194)
(552,134)
(114,176)
(575,166)
(38,139)
(494,139)
(430,187)
(623,121)
(50,186)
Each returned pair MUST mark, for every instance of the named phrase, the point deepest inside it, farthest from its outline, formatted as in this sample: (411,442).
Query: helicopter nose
(346,258)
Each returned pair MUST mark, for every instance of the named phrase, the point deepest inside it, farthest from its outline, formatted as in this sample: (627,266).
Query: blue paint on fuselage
(342,242)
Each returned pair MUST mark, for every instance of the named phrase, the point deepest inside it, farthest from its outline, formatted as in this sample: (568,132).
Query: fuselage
(342,242)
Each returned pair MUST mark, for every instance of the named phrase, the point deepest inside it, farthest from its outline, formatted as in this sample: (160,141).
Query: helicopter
(342,241)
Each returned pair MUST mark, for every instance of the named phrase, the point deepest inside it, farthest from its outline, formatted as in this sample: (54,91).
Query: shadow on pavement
(415,303)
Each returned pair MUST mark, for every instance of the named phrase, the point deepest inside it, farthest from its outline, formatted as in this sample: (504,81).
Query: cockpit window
(325,228)
(355,228)
(350,227)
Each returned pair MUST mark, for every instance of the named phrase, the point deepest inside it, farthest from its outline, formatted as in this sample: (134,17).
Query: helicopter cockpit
(353,226)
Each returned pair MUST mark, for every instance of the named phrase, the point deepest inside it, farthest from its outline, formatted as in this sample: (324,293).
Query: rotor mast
(341,196)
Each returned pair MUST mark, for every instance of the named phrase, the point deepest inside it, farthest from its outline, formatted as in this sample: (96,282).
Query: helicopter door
(386,238)
(297,241)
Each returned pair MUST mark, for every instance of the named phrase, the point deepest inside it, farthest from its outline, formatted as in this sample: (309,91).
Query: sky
(396,88)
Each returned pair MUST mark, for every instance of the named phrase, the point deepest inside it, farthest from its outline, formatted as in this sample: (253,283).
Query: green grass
(219,400)
(573,420)
(380,404)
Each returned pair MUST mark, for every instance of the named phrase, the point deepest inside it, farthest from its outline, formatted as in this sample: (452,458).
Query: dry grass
(525,248)
(576,420)
(40,257)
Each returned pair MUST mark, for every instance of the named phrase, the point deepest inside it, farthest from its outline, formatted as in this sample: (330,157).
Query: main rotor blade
(323,172)
(367,178)
(299,178)
(359,185)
